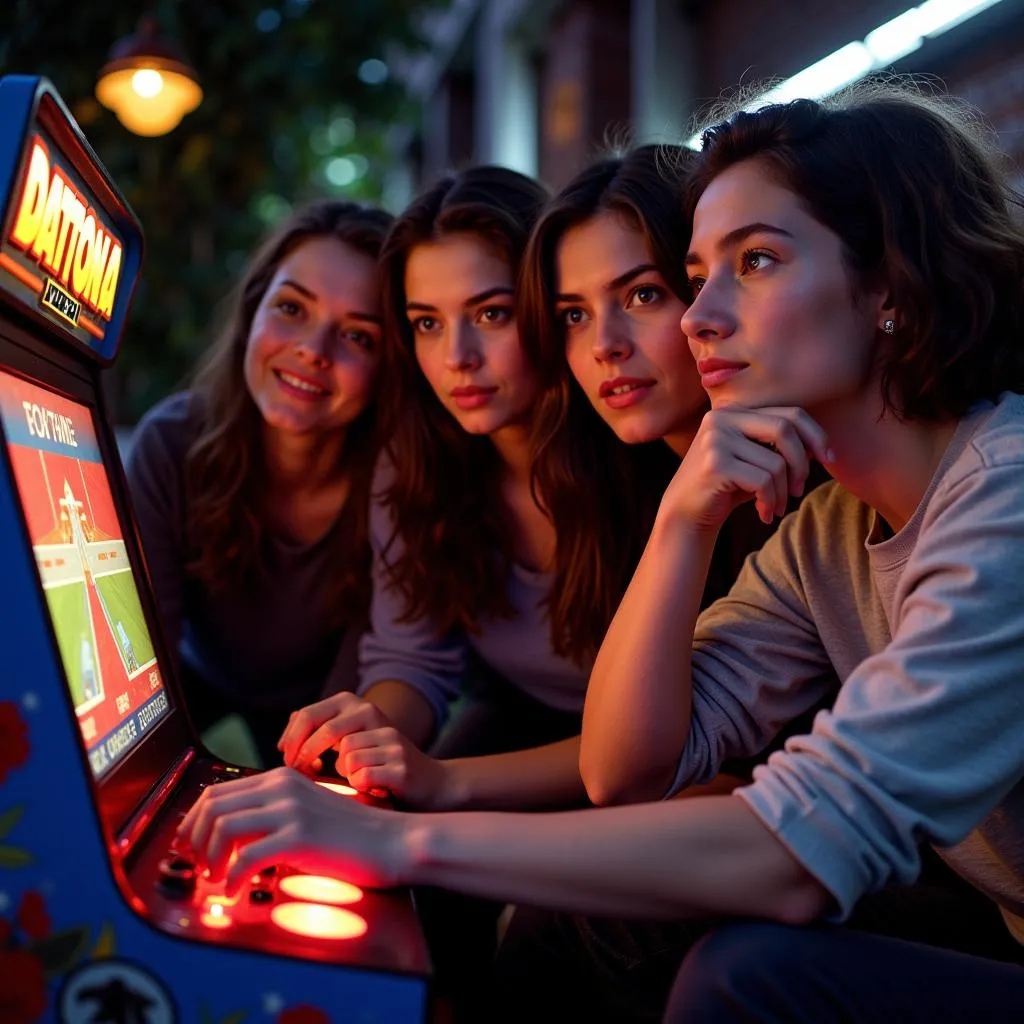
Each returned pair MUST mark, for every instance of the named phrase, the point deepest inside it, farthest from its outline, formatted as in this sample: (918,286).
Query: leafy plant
(283,98)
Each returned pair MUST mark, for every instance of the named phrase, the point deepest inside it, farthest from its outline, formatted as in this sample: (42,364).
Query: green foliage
(282,98)
(12,856)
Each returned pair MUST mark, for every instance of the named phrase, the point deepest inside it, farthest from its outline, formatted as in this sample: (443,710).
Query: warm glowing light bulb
(318,921)
(147,82)
(148,100)
(320,889)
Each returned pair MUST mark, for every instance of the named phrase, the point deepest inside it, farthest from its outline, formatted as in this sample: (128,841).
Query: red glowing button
(320,889)
(318,921)
(337,787)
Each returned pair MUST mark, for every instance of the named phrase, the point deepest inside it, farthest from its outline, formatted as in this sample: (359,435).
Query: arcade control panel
(278,910)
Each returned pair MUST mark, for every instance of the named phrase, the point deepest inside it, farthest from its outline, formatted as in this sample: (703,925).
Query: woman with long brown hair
(478,580)
(483,588)
(602,292)
(251,487)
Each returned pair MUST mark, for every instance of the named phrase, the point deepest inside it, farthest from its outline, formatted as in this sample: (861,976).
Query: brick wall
(584,84)
(993,81)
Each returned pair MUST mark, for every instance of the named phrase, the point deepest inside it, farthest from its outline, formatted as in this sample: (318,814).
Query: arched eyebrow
(615,284)
(473,300)
(738,235)
(300,288)
(370,318)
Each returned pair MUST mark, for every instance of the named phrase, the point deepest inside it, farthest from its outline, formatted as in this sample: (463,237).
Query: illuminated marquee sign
(71,259)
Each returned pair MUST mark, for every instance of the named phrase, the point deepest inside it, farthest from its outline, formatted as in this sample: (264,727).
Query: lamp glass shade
(150,96)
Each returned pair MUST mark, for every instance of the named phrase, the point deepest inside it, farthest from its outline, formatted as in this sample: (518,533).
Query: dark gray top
(265,647)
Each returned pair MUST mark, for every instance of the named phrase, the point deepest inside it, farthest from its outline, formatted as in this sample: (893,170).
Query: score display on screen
(113,678)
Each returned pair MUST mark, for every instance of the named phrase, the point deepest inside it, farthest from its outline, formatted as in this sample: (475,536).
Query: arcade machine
(100,919)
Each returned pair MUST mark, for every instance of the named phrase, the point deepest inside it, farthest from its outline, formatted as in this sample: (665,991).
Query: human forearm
(686,858)
(637,711)
(406,708)
(543,777)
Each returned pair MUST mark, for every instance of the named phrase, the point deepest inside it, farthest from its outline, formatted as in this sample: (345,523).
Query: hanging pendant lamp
(148,83)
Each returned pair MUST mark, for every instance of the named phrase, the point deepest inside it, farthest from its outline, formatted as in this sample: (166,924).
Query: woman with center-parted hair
(251,487)
(603,290)
(475,577)
(601,295)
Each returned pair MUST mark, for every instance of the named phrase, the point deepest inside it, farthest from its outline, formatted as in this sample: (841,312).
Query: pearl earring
(889,327)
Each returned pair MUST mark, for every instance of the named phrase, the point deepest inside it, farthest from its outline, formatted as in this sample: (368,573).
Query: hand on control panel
(281,817)
(372,754)
(383,759)
(320,727)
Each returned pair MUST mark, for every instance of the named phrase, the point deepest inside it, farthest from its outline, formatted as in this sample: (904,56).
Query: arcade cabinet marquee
(101,918)
(64,238)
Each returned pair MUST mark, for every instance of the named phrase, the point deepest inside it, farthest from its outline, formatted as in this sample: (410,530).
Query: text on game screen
(105,647)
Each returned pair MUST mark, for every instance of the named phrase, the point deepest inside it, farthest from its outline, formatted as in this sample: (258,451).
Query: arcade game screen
(108,656)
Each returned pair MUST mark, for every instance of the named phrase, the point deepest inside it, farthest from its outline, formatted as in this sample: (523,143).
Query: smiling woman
(251,488)
(312,350)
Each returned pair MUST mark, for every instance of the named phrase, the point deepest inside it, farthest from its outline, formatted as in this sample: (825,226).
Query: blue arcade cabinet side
(101,919)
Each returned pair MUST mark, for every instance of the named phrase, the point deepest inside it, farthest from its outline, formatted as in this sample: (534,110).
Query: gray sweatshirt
(267,646)
(922,634)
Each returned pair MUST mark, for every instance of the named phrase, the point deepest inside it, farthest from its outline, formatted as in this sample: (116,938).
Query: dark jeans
(778,974)
(556,967)
(461,930)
